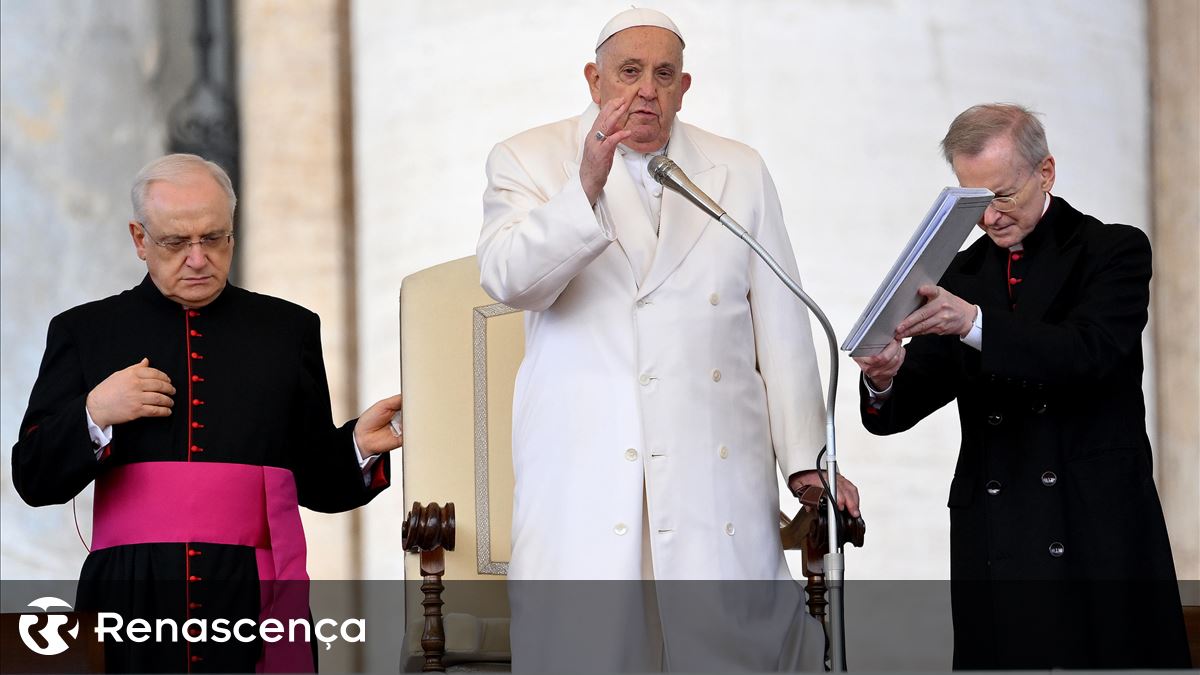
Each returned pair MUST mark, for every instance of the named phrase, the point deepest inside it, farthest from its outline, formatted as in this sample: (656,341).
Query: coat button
(193,578)
(995,419)
(1038,407)
(620,529)
(714,299)
(729,529)
(716,375)
(1049,479)
(631,455)
(641,304)
(723,452)
(644,379)
(194,605)
(993,487)
(1057,549)
(197,378)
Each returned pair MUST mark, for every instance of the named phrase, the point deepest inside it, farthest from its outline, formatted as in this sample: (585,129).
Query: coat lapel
(682,223)
(979,277)
(1049,267)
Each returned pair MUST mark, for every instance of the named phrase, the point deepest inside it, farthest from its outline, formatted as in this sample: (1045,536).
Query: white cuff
(364,464)
(604,220)
(100,437)
(877,395)
(974,337)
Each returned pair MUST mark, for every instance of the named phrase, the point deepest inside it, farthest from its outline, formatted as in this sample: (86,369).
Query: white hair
(170,168)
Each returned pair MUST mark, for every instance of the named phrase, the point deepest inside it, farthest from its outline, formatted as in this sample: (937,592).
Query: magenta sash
(217,503)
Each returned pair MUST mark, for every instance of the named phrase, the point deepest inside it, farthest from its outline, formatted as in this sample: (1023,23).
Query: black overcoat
(250,389)
(1059,551)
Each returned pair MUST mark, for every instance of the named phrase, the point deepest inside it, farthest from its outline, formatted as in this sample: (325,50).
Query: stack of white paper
(923,261)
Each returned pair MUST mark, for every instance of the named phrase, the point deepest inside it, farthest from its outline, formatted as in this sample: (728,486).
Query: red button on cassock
(197,425)
(196,659)
(1013,281)
(193,552)
(194,605)
(196,448)
(197,401)
(197,378)
(196,355)
(194,578)
(192,312)
(195,333)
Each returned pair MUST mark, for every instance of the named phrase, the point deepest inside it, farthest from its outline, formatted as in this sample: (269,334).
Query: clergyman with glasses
(1059,556)
(201,411)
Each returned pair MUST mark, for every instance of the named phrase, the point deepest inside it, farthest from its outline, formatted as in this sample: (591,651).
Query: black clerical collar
(149,291)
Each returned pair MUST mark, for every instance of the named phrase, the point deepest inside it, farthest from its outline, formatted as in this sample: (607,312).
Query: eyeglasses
(1009,202)
(214,242)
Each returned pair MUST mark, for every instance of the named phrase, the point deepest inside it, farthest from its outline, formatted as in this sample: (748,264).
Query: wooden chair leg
(433,638)
(429,530)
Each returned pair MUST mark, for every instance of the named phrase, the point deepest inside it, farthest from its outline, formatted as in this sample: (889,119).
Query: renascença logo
(51,634)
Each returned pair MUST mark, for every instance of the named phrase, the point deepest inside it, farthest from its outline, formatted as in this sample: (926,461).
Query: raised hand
(129,394)
(598,152)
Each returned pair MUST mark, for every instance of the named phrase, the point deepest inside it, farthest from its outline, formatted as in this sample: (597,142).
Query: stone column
(297,220)
(1175,99)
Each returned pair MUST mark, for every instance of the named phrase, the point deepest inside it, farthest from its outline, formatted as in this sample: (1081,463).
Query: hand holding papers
(923,261)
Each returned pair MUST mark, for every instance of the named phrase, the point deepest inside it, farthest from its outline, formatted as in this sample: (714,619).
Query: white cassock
(674,371)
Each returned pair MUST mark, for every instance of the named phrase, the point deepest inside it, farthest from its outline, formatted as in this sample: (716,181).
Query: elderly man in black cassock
(202,412)
(1059,556)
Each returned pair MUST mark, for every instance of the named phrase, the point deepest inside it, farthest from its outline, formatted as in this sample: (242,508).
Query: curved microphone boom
(668,174)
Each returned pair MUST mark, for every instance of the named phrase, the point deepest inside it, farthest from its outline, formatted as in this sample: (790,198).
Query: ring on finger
(600,136)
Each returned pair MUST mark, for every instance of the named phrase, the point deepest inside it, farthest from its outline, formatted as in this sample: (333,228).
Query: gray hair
(171,168)
(976,126)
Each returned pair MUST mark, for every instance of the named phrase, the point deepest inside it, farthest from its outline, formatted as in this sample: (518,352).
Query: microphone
(669,175)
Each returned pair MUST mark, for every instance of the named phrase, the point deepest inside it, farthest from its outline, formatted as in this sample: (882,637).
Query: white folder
(922,261)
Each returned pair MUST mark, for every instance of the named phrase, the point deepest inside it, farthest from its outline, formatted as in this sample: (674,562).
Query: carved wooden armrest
(429,530)
(808,532)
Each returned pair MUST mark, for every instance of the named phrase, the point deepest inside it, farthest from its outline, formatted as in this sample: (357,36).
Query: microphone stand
(668,174)
(835,564)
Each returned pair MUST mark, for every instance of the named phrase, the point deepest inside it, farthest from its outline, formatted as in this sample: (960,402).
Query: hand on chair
(375,432)
(847,493)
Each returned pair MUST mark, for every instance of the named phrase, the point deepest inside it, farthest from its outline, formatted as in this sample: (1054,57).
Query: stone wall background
(84,92)
(846,101)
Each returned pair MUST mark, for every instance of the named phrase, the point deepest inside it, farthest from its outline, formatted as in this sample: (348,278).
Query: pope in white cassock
(667,373)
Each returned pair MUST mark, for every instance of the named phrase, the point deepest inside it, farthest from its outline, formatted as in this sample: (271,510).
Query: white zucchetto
(637,16)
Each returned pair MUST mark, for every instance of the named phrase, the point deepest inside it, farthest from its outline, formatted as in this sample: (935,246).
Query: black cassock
(1059,551)
(251,392)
